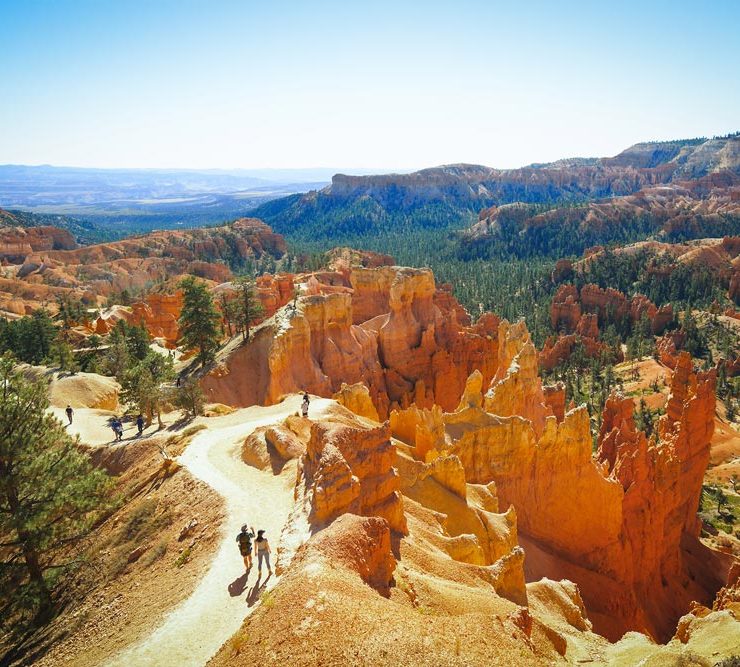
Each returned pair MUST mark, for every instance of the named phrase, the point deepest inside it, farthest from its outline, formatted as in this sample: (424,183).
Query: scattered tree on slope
(50,496)
(199,320)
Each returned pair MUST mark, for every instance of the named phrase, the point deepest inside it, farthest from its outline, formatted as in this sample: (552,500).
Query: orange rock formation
(348,469)
(391,330)
(48,263)
(582,517)
(573,312)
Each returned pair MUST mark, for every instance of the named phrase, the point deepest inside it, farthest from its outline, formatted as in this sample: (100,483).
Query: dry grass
(140,525)
(155,553)
(183,558)
(237,642)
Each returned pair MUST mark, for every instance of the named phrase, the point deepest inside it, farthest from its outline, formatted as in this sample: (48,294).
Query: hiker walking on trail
(244,540)
(69,412)
(262,547)
(117,427)
(140,423)
(304,405)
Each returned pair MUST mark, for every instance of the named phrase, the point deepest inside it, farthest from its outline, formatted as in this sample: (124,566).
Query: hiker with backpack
(140,423)
(262,547)
(69,412)
(244,540)
(304,405)
(117,427)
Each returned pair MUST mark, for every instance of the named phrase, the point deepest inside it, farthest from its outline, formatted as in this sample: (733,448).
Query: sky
(387,85)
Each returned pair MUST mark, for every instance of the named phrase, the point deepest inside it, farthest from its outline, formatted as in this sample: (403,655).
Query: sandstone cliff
(583,517)
(662,205)
(388,327)
(574,311)
(45,261)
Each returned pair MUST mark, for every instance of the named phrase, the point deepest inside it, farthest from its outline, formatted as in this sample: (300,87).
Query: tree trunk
(36,575)
(31,557)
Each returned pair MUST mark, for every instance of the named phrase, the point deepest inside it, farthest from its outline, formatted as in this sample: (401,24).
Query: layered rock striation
(389,328)
(46,262)
(621,524)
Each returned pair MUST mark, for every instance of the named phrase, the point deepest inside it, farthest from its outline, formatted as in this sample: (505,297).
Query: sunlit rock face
(391,330)
(622,523)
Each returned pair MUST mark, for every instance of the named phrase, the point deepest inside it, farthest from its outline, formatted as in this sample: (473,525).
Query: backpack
(245,543)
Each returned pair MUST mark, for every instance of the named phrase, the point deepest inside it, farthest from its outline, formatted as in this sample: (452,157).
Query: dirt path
(93,428)
(193,632)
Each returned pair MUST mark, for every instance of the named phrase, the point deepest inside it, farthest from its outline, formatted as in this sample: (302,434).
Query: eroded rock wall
(406,349)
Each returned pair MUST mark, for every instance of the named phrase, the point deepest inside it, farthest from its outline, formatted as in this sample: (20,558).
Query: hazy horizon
(335,170)
(245,86)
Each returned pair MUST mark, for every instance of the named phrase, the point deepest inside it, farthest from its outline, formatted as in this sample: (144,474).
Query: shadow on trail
(237,587)
(179,424)
(257,590)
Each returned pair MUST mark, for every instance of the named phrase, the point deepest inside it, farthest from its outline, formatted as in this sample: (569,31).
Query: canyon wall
(621,524)
(405,341)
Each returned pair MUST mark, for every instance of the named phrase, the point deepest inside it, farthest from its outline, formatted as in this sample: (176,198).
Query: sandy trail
(193,632)
(92,426)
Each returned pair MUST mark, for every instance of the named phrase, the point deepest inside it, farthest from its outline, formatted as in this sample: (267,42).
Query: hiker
(69,412)
(140,423)
(117,427)
(304,405)
(262,547)
(114,425)
(179,381)
(244,540)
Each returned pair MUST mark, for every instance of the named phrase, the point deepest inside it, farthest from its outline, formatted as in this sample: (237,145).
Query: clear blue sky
(349,84)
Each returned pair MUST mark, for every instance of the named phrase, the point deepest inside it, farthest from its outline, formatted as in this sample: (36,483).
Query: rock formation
(516,388)
(84,390)
(356,398)
(406,347)
(582,517)
(559,348)
(349,469)
(16,243)
(684,207)
(362,545)
(48,262)
(572,311)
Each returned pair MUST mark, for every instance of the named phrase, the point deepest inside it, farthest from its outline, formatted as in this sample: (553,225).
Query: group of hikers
(117,425)
(261,548)
(246,536)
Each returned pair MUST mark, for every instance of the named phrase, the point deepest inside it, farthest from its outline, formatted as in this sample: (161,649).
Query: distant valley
(112,203)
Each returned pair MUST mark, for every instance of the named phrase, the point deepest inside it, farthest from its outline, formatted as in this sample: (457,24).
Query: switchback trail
(193,632)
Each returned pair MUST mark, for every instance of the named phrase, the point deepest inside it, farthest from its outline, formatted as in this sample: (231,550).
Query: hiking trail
(194,631)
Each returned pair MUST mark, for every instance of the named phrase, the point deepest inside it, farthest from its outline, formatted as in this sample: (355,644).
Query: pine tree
(250,307)
(189,396)
(137,340)
(30,339)
(229,311)
(199,320)
(142,385)
(50,495)
(63,355)
(70,312)
(117,358)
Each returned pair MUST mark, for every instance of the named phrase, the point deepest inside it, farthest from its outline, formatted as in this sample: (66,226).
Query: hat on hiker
(244,528)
